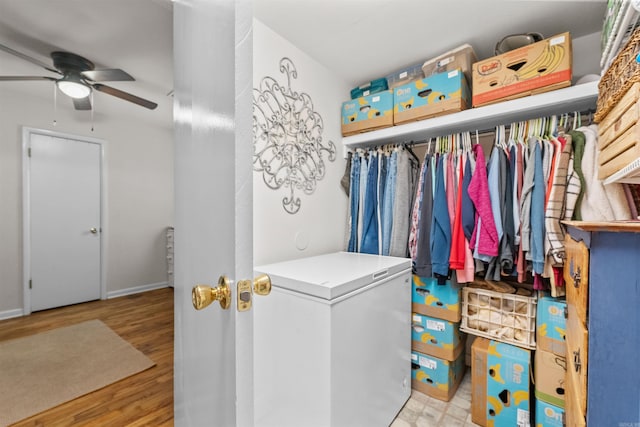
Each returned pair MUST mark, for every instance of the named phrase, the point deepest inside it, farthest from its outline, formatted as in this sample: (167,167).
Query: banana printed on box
(367,113)
(435,300)
(432,96)
(436,377)
(538,67)
(500,382)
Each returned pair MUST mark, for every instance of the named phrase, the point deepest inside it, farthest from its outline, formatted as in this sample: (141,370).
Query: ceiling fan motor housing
(71,63)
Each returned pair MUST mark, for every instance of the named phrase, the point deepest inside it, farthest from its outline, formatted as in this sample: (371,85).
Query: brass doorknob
(262,285)
(203,295)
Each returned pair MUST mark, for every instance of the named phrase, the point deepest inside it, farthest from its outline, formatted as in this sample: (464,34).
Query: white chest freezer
(332,342)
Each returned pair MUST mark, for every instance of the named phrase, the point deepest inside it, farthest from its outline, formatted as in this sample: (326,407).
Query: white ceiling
(358,39)
(365,39)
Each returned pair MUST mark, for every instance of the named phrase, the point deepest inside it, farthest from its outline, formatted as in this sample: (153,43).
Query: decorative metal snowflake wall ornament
(287,138)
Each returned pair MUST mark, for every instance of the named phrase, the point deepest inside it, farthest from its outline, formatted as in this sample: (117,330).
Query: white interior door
(64,193)
(213,358)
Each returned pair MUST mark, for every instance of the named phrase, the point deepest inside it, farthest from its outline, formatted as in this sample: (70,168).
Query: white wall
(586,55)
(319,226)
(139,167)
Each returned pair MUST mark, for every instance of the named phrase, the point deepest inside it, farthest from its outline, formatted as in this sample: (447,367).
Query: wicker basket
(623,72)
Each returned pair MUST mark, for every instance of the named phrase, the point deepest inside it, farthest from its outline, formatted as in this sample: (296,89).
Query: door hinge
(29,151)
(30,284)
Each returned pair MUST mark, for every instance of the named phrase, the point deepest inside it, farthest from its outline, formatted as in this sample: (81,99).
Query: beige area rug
(47,369)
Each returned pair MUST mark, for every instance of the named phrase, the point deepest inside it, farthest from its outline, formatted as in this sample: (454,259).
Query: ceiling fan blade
(23,78)
(124,95)
(29,59)
(108,75)
(82,103)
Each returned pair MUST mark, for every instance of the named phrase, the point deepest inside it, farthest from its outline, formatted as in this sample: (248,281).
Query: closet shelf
(574,98)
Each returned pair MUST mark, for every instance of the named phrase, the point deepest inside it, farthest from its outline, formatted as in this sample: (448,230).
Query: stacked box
(431,299)
(435,377)
(369,88)
(367,113)
(551,325)
(536,68)
(550,370)
(500,384)
(461,57)
(432,96)
(404,76)
(436,337)
(548,415)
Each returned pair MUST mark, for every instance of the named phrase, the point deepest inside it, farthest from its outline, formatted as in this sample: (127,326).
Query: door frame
(26,208)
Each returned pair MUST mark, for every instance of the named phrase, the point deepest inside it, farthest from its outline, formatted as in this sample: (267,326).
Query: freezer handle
(377,275)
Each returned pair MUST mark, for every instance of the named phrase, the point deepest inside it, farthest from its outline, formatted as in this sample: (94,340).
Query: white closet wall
(319,225)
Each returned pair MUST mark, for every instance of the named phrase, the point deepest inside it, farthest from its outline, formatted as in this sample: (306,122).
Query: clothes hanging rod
(586,115)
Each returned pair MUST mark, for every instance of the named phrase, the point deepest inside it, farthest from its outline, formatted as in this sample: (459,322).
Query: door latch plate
(244,295)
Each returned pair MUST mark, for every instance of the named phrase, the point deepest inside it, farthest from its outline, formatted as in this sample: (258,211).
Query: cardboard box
(500,384)
(549,373)
(548,415)
(432,96)
(436,337)
(404,76)
(467,351)
(435,377)
(462,57)
(435,300)
(369,88)
(551,325)
(536,68)
(367,113)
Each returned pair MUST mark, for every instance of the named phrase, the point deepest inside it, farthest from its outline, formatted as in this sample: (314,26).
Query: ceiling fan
(79,77)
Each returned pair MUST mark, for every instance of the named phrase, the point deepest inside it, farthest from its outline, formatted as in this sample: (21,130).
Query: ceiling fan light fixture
(73,87)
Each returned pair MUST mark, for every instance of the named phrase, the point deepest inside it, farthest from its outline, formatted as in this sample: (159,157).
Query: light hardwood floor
(146,399)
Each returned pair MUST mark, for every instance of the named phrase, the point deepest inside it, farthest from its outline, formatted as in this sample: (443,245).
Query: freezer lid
(332,275)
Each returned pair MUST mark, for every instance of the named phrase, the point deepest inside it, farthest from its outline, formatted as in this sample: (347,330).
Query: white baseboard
(136,289)
(8,314)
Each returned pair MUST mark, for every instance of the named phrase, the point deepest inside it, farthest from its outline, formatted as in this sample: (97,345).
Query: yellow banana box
(435,377)
(551,325)
(436,337)
(500,384)
(548,415)
(549,374)
(536,68)
(431,299)
(432,96)
(367,113)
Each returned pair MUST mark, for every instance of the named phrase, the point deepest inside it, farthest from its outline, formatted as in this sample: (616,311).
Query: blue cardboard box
(551,325)
(367,113)
(500,384)
(432,96)
(548,415)
(436,377)
(431,299)
(436,337)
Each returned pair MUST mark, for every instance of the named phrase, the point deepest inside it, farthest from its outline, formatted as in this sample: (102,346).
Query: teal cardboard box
(432,96)
(548,415)
(431,299)
(367,113)
(435,377)
(500,382)
(551,325)
(436,337)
